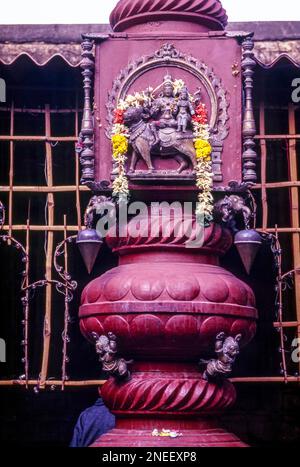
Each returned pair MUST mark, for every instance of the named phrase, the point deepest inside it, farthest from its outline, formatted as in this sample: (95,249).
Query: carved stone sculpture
(227,349)
(184,111)
(106,348)
(166,303)
(229,208)
(97,205)
(143,140)
(168,297)
(164,108)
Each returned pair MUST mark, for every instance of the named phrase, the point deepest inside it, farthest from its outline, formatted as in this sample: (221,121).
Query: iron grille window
(39,177)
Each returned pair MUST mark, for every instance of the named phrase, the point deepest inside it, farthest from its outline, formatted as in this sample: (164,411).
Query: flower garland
(119,141)
(204,175)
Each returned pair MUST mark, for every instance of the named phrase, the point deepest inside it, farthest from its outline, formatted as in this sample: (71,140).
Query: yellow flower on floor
(203,149)
(120,145)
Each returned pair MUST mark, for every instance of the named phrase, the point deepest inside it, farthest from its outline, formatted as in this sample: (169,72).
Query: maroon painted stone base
(166,303)
(174,397)
(198,434)
(157,393)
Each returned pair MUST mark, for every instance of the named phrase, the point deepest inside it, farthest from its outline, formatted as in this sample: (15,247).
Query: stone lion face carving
(236,202)
(102,343)
(231,348)
(227,349)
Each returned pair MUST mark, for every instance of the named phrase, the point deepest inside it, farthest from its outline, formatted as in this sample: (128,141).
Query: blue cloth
(91,424)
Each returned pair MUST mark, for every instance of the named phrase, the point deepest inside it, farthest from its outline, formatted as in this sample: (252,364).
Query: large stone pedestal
(166,304)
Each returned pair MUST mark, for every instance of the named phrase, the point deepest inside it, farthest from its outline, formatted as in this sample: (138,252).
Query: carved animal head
(228,347)
(236,202)
(133,115)
(101,343)
(222,210)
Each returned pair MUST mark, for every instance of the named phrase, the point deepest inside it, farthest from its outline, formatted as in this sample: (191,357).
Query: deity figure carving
(162,126)
(164,108)
(227,350)
(106,348)
(184,111)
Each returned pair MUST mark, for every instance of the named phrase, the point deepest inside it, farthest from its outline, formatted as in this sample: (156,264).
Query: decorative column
(170,108)
(87,157)
(249,129)
(170,308)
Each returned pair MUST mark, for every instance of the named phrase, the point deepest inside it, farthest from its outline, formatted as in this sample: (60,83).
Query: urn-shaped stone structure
(166,302)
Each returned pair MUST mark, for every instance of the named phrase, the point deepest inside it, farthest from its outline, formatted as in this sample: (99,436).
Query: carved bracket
(230,209)
(98,205)
(106,348)
(227,350)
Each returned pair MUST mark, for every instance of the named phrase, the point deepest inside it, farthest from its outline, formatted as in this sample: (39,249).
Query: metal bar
(49,255)
(51,139)
(26,307)
(44,189)
(44,228)
(74,228)
(267,379)
(87,383)
(38,110)
(280,309)
(292,159)
(265,209)
(274,137)
(51,382)
(277,185)
(62,188)
(66,312)
(11,172)
(286,324)
(281,230)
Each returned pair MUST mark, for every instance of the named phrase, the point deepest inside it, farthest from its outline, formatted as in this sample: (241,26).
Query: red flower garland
(119,116)
(201,114)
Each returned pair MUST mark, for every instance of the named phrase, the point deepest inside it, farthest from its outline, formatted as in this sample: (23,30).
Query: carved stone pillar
(249,129)
(166,303)
(87,157)
(169,305)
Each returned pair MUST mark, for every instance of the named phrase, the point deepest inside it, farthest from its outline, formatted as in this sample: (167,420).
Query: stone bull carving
(170,142)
